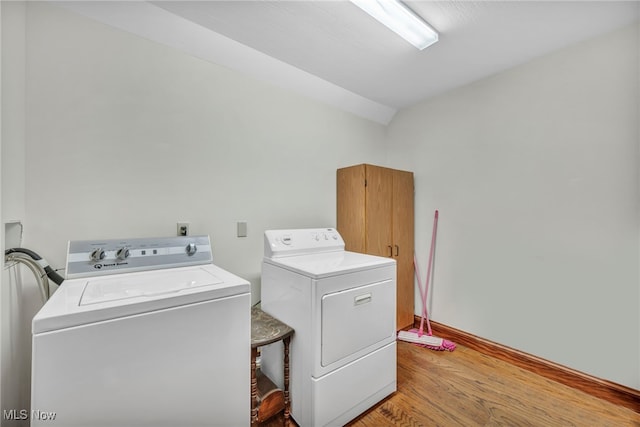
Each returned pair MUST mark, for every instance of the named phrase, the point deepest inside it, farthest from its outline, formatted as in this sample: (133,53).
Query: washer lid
(328,264)
(155,283)
(84,301)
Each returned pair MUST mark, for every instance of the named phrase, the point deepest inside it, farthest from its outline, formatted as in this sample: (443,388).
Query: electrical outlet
(183,229)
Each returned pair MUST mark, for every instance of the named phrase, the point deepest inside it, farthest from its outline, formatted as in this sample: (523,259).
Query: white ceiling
(354,60)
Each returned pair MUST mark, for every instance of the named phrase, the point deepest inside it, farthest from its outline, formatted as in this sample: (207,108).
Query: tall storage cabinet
(375,216)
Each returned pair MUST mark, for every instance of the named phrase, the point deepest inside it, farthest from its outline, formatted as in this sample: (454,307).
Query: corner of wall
(13,394)
(2,358)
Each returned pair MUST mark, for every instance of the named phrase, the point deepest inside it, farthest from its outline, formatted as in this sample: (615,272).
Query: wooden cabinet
(375,216)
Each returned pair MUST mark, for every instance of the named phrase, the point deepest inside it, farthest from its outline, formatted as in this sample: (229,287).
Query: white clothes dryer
(342,306)
(144,332)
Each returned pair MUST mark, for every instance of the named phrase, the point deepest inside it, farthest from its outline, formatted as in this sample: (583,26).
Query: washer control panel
(100,257)
(278,243)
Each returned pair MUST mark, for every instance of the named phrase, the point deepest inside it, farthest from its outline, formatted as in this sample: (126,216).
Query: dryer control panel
(279,243)
(87,258)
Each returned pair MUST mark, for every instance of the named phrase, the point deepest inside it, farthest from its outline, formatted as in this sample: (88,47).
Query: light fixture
(400,19)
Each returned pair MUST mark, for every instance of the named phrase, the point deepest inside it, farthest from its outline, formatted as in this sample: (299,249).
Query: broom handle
(418,276)
(426,285)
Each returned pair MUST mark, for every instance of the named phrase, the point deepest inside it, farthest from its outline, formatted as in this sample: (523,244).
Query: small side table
(266,399)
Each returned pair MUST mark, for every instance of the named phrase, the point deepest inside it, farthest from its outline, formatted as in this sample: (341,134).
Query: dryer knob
(122,253)
(97,254)
(191,249)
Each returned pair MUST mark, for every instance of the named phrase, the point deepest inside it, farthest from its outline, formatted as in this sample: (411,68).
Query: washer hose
(50,272)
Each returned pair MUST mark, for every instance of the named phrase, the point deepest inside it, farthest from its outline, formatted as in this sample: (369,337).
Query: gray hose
(38,266)
(36,269)
(50,272)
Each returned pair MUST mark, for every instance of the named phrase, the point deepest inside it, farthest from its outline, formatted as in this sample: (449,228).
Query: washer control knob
(97,254)
(122,253)
(191,249)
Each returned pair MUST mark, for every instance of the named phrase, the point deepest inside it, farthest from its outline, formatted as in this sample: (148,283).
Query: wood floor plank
(468,388)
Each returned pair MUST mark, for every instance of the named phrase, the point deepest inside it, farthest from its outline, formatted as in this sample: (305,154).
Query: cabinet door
(379,200)
(351,207)
(403,245)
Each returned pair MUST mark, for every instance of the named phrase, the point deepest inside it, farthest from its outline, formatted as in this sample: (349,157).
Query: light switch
(242,228)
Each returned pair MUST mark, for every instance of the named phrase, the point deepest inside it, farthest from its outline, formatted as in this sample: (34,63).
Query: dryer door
(357,320)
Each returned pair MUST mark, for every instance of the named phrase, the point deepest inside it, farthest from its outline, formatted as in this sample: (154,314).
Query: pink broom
(417,336)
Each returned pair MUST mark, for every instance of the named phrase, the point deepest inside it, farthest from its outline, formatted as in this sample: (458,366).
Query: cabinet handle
(397,250)
(390,251)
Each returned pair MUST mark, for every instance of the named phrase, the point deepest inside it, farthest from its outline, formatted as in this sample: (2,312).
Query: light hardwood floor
(468,388)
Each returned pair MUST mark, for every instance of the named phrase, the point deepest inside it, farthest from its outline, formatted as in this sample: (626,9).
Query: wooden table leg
(287,403)
(254,388)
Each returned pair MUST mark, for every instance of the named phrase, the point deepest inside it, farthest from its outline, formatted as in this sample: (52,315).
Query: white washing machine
(342,306)
(144,332)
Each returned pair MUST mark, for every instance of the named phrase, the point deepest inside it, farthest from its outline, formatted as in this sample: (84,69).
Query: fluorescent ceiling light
(400,19)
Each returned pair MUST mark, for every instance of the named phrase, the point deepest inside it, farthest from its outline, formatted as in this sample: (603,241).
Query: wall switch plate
(183,229)
(242,228)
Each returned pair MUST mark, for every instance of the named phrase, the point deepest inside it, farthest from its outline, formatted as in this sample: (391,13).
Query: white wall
(19,297)
(3,348)
(535,174)
(125,137)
